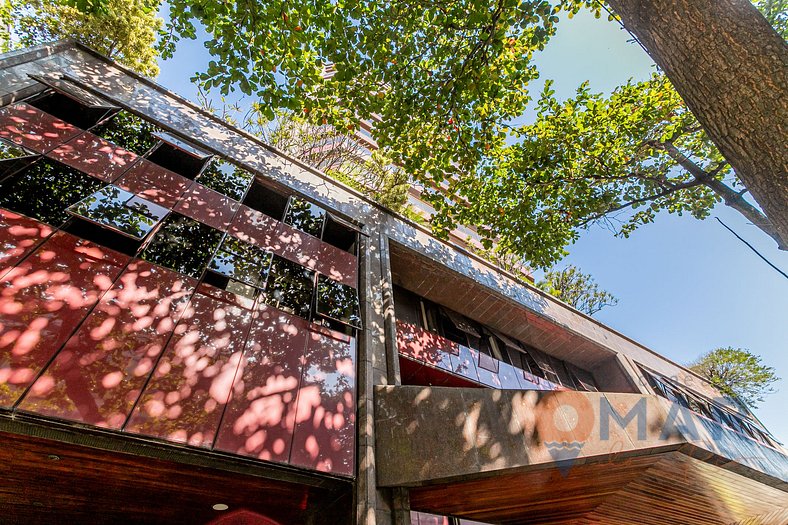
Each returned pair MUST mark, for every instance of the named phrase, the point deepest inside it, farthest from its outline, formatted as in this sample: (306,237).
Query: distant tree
(123,30)
(576,289)
(738,373)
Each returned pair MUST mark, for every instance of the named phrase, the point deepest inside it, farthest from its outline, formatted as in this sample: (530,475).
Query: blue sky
(684,286)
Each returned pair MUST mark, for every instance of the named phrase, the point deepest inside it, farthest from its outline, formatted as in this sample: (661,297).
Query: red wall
(95,337)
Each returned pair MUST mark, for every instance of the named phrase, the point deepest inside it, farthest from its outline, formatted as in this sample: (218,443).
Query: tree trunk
(731,68)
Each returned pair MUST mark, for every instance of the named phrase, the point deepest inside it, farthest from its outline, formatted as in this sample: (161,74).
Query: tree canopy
(124,30)
(738,373)
(447,80)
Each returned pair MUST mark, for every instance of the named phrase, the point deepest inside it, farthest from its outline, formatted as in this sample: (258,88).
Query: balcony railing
(451,360)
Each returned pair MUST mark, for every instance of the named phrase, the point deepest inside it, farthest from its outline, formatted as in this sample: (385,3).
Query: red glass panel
(422,518)
(260,417)
(34,129)
(424,346)
(256,228)
(151,181)
(207,206)
(338,264)
(325,430)
(99,373)
(19,235)
(43,300)
(94,156)
(187,394)
(298,246)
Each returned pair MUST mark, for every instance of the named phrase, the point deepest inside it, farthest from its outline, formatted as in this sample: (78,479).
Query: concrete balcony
(561,457)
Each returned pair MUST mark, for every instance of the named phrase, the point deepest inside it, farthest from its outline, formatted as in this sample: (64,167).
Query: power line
(752,248)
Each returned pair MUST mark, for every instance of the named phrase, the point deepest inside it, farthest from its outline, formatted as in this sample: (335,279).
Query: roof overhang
(507,456)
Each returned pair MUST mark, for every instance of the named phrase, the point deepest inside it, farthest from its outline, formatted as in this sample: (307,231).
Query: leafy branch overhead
(447,79)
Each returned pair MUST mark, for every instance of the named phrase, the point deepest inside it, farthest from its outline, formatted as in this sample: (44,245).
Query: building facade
(196,328)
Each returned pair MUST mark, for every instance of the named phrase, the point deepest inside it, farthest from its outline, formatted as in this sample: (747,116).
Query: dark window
(583,379)
(130,132)
(72,104)
(337,301)
(529,364)
(14,158)
(266,200)
(290,287)
(499,349)
(242,262)
(103,236)
(45,189)
(228,179)
(340,233)
(305,216)
(178,156)
(560,368)
(120,210)
(182,244)
(407,306)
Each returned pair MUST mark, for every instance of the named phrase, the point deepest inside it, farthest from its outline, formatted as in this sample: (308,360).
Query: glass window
(71,103)
(228,179)
(340,233)
(559,367)
(290,287)
(120,210)
(337,301)
(182,244)
(13,158)
(266,200)
(305,216)
(183,145)
(583,379)
(44,190)
(407,306)
(129,131)
(177,160)
(545,366)
(529,364)
(242,262)
(498,349)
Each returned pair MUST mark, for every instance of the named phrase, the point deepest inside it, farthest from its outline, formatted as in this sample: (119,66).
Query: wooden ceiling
(666,489)
(434,281)
(44,481)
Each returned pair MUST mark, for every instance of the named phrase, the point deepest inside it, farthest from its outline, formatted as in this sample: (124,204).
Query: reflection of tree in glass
(186,396)
(45,190)
(337,301)
(129,131)
(242,261)
(13,157)
(330,420)
(183,245)
(9,150)
(226,178)
(290,287)
(305,216)
(112,207)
